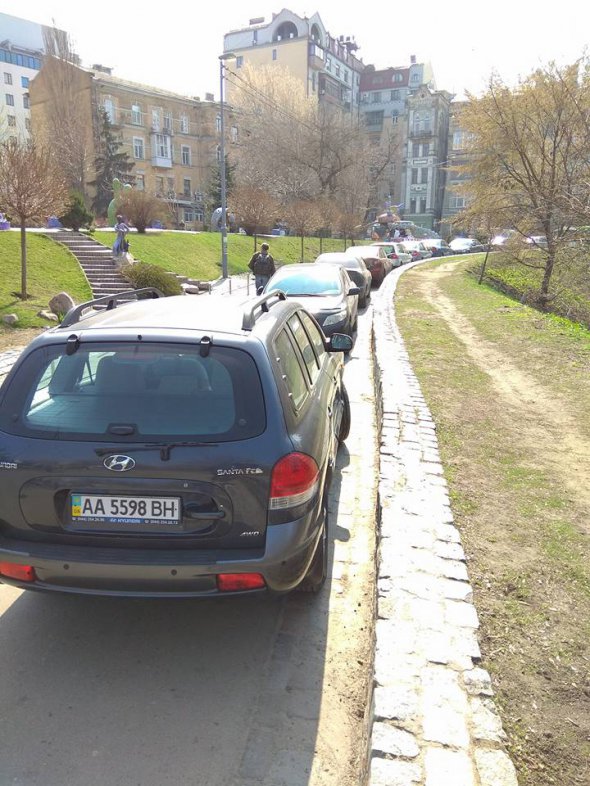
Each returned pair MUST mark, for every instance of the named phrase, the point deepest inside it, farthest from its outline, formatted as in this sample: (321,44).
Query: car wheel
(362,301)
(318,570)
(344,429)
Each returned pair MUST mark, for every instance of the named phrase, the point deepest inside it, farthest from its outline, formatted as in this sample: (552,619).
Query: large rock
(61,304)
(10,319)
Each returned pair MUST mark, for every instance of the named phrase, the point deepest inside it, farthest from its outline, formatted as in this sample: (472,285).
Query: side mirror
(339,342)
(354,291)
(260,290)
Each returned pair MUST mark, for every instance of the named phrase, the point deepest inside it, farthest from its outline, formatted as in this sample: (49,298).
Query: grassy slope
(521,528)
(50,269)
(198,255)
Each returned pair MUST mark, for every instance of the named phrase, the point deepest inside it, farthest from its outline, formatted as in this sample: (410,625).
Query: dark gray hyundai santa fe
(171,447)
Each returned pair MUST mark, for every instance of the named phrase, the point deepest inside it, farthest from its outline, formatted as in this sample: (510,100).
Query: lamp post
(222,59)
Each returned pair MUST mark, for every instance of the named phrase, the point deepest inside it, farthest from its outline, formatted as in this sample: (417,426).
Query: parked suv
(163,448)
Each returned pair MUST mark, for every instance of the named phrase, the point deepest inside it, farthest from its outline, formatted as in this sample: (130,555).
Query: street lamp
(222,59)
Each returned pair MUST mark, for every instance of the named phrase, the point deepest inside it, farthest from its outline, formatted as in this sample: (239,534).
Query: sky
(176,47)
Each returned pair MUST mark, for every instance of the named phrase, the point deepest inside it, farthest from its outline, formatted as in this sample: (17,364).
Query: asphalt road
(107,692)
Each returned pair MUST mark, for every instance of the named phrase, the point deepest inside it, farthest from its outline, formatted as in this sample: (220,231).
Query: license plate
(94,509)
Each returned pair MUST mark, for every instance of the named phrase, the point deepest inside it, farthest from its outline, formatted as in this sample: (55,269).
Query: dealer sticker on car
(87,508)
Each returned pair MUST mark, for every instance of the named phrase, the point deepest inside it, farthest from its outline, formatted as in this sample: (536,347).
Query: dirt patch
(518,466)
(11,338)
(544,419)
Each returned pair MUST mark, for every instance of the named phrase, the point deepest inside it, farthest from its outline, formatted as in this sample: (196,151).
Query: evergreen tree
(109,164)
(213,194)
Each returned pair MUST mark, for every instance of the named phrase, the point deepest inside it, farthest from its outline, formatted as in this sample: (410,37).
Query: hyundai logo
(119,463)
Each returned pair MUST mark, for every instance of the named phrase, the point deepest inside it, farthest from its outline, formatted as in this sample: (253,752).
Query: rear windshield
(320,281)
(135,392)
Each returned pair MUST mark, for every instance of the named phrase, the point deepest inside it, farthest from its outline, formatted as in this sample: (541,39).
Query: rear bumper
(283,562)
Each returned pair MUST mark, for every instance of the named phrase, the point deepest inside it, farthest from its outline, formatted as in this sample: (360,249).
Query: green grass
(199,255)
(522,529)
(50,269)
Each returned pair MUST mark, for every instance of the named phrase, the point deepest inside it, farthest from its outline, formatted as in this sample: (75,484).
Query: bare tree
(140,207)
(527,163)
(305,217)
(67,128)
(254,208)
(31,187)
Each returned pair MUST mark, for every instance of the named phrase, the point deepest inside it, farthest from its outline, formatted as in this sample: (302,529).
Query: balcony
(164,162)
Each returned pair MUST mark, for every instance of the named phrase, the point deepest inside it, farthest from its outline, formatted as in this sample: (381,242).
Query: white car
(466,245)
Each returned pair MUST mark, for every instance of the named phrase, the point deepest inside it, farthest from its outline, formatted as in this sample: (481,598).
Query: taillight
(394,256)
(235,582)
(13,570)
(294,481)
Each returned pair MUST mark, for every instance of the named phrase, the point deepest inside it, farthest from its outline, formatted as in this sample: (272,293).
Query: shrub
(140,208)
(143,275)
(76,215)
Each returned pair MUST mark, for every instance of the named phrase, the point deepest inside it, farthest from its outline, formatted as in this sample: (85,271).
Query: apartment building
(21,57)
(327,66)
(173,140)
(454,202)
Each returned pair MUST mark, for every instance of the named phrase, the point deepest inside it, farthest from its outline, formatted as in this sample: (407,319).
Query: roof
(384,79)
(101,76)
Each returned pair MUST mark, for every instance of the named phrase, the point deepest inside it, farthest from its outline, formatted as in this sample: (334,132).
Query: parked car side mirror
(338,342)
(354,291)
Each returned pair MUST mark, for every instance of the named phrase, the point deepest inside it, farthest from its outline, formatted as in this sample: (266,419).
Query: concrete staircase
(96,261)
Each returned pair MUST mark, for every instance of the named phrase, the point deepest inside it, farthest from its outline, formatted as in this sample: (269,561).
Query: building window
(376,97)
(159,186)
(167,121)
(459,140)
(156,119)
(188,216)
(136,114)
(274,54)
(140,182)
(186,155)
(218,124)
(337,72)
(313,82)
(171,186)
(7,78)
(374,118)
(346,76)
(457,202)
(186,186)
(26,102)
(138,149)
(426,149)
(12,121)
(234,134)
(424,175)
(109,108)
(239,61)
(328,63)
(394,95)
(184,124)
(163,146)
(414,176)
(28,123)
(415,150)
(398,78)
(423,204)
(412,205)
(9,99)
(415,77)
(24,81)
(218,154)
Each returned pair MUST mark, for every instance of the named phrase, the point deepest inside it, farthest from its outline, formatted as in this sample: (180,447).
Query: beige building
(173,140)
(326,65)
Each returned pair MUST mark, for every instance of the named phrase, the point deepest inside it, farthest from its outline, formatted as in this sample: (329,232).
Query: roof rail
(261,306)
(109,301)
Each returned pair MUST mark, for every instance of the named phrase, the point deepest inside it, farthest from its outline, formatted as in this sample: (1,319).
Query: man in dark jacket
(262,265)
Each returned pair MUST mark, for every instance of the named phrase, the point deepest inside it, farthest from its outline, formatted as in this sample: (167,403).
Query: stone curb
(434,722)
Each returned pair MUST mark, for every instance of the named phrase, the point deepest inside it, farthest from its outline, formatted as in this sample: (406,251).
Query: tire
(344,430)
(363,301)
(318,570)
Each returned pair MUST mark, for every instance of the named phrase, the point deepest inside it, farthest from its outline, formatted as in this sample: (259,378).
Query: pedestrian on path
(263,266)
(121,246)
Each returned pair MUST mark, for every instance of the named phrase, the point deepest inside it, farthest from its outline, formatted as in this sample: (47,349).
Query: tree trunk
(544,297)
(302,238)
(485,262)
(23,259)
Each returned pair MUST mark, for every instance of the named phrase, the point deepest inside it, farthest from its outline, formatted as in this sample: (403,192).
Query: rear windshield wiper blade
(164,448)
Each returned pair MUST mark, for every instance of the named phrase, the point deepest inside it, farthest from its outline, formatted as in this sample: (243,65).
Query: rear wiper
(164,448)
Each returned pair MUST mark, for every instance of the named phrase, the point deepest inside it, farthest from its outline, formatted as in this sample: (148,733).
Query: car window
(315,336)
(322,281)
(151,390)
(305,346)
(292,372)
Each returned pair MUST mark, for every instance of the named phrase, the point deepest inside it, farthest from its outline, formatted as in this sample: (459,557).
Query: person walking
(120,245)
(263,266)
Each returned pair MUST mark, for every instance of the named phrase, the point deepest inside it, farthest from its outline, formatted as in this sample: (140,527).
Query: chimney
(413,59)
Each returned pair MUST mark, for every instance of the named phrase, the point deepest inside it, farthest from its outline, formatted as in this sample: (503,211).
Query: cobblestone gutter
(434,720)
